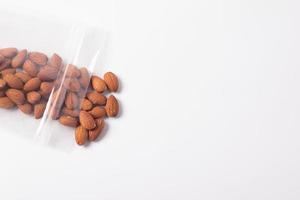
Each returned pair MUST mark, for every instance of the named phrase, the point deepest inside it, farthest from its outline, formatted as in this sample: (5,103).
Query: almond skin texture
(46,87)
(81,135)
(32,85)
(94,134)
(86,105)
(96,98)
(71,101)
(5,64)
(2,84)
(111,81)
(6,103)
(19,60)
(13,81)
(38,58)
(55,61)
(9,52)
(84,78)
(86,120)
(72,113)
(68,121)
(33,97)
(98,84)
(17,96)
(72,71)
(8,71)
(39,110)
(112,106)
(26,108)
(98,112)
(30,68)
(48,73)
(23,76)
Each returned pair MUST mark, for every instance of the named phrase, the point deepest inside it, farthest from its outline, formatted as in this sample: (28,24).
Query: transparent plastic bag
(77,44)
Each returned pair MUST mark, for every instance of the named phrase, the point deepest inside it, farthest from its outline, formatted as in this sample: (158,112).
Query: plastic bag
(76,43)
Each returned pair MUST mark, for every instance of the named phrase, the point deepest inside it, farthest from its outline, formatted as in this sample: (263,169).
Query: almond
(98,84)
(38,58)
(96,98)
(6,103)
(111,81)
(94,134)
(30,67)
(72,84)
(58,97)
(98,112)
(86,105)
(81,135)
(112,106)
(2,84)
(86,120)
(26,108)
(33,97)
(9,52)
(39,110)
(46,87)
(48,73)
(13,81)
(8,71)
(68,121)
(23,76)
(19,60)
(5,64)
(17,96)
(72,113)
(72,71)
(54,113)
(55,61)
(84,78)
(32,85)
(71,101)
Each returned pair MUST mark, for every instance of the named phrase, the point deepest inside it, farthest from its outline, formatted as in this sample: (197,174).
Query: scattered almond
(96,98)
(94,134)
(98,84)
(39,110)
(6,103)
(86,105)
(111,81)
(17,96)
(86,120)
(112,106)
(68,121)
(26,108)
(81,135)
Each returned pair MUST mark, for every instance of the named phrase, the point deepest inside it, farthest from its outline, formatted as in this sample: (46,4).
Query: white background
(210,98)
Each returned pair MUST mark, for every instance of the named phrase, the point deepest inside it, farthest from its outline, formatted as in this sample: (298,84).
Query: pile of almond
(33,82)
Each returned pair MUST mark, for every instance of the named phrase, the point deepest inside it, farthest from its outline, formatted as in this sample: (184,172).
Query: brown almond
(30,68)
(17,96)
(55,61)
(38,58)
(19,60)
(98,84)
(96,98)
(58,97)
(23,76)
(2,84)
(39,110)
(81,135)
(72,113)
(8,71)
(9,52)
(84,78)
(72,84)
(94,134)
(86,120)
(86,105)
(112,106)
(72,71)
(71,100)
(32,85)
(48,73)
(13,81)
(26,108)
(98,112)
(33,97)
(68,121)
(6,103)
(5,64)
(46,87)
(54,113)
(111,81)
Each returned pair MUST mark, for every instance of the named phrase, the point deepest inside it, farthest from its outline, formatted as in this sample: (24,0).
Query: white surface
(210,98)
